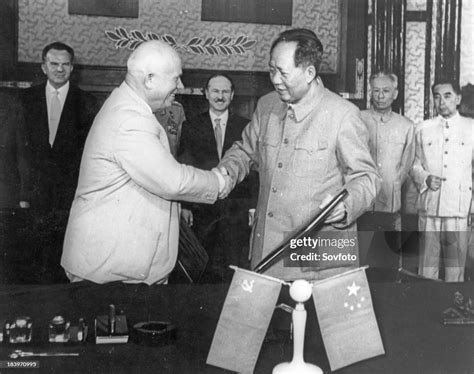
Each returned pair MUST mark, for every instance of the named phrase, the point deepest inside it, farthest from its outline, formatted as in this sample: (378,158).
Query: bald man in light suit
(124,221)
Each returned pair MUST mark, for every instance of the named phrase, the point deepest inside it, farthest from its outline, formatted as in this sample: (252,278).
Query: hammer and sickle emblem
(247,286)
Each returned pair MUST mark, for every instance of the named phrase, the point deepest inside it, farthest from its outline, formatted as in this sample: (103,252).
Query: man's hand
(433,182)
(227,188)
(187,215)
(338,213)
(225,182)
(223,170)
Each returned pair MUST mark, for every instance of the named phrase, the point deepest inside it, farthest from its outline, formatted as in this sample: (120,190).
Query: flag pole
(317,222)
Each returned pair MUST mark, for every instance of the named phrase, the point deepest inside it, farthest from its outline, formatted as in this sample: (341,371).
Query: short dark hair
(447,80)
(220,75)
(58,46)
(309,49)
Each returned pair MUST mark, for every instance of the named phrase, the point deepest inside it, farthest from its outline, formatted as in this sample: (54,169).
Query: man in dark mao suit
(222,227)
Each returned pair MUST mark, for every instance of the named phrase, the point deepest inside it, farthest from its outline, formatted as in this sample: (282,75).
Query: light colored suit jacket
(124,220)
(445,152)
(301,158)
(392,146)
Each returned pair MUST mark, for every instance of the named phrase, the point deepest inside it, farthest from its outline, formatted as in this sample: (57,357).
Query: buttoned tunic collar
(451,120)
(381,117)
(307,104)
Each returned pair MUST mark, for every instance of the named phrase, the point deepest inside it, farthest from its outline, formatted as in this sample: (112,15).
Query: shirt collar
(310,101)
(224,117)
(62,91)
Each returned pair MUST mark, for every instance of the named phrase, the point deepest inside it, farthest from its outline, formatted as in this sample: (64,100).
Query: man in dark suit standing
(58,116)
(222,227)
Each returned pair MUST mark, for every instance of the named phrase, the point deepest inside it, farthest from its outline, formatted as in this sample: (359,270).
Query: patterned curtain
(448,38)
(388,41)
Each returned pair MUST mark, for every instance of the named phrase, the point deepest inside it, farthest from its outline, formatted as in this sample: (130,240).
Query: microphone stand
(300,291)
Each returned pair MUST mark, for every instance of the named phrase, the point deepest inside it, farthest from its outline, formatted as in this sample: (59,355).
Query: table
(409,317)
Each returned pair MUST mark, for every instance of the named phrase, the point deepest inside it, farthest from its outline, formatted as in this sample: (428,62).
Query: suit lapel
(229,134)
(209,134)
(66,121)
(39,111)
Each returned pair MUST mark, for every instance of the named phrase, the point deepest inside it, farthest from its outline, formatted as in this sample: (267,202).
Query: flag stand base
(300,291)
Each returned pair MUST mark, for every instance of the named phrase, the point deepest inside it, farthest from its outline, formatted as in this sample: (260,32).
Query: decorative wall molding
(191,91)
(42,21)
(226,46)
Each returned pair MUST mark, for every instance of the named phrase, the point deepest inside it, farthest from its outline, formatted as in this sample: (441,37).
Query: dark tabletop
(409,317)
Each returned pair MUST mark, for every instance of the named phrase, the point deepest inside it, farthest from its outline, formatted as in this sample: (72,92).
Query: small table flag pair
(343,305)
(344,309)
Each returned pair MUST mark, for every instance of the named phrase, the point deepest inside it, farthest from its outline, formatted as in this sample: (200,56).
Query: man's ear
(395,95)
(311,73)
(148,80)
(43,68)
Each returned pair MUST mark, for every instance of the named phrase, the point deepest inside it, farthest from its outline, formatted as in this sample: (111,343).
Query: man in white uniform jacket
(443,174)
(124,221)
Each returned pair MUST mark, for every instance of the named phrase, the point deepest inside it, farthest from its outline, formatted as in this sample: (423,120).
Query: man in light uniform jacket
(392,146)
(307,144)
(443,174)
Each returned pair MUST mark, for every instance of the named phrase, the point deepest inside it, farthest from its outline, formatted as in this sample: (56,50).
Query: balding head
(153,72)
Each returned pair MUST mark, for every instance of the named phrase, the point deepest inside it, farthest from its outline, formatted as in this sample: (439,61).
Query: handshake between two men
(226,185)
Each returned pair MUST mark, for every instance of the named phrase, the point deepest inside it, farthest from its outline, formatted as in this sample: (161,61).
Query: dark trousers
(50,229)
(380,240)
(18,257)
(224,232)
(31,246)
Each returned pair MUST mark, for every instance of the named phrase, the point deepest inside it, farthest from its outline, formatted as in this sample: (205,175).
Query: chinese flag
(346,318)
(244,320)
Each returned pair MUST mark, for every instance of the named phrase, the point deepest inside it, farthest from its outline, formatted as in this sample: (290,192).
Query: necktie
(218,135)
(54,116)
